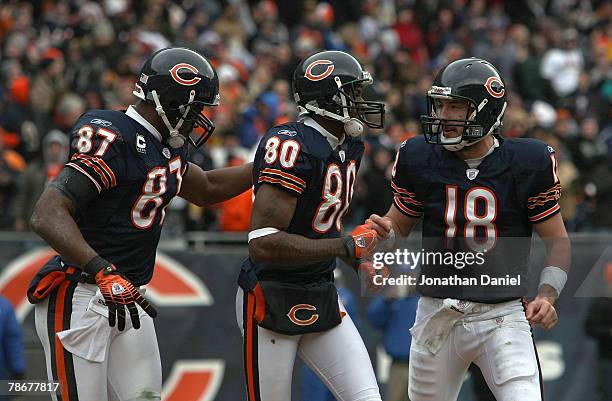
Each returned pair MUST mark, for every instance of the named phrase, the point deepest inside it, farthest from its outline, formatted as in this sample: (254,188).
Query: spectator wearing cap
(38,173)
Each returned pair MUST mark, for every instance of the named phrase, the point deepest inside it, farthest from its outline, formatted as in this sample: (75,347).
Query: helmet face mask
(192,120)
(179,83)
(433,126)
(476,82)
(369,112)
(330,84)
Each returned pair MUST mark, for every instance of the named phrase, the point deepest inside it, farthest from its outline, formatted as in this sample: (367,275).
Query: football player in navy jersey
(477,191)
(303,174)
(104,214)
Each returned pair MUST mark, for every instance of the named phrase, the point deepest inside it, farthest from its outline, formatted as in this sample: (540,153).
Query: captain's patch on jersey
(141,144)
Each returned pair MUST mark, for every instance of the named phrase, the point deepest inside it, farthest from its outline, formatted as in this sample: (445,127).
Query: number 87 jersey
(306,161)
(133,177)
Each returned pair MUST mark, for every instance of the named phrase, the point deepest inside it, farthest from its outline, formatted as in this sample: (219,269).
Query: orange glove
(361,243)
(118,293)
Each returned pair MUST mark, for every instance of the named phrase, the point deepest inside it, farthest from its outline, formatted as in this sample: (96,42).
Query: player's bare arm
(209,187)
(53,220)
(274,208)
(558,256)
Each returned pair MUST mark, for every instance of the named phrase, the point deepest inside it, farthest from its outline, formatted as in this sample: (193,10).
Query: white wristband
(554,277)
(262,232)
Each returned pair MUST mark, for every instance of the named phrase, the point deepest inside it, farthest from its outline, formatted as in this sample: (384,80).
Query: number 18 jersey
(299,159)
(489,209)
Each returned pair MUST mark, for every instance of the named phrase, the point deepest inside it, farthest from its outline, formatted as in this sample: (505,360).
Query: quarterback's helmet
(329,84)
(477,82)
(179,82)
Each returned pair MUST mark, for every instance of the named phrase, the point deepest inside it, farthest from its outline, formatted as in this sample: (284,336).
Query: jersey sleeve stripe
(102,164)
(402,190)
(542,202)
(97,169)
(403,208)
(295,179)
(285,184)
(79,169)
(554,191)
(410,200)
(542,216)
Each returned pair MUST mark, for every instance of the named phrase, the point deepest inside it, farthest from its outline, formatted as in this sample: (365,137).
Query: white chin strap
(458,146)
(352,126)
(175,140)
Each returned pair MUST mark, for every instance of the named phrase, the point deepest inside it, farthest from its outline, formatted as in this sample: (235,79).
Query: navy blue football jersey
(490,208)
(298,159)
(136,176)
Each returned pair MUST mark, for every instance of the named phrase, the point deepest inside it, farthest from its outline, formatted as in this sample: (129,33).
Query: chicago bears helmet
(477,82)
(330,83)
(179,83)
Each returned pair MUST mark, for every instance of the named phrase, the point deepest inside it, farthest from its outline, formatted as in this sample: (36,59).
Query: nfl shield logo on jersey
(471,173)
(342,156)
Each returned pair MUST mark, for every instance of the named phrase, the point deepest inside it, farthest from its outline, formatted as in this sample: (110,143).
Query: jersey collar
(473,163)
(331,139)
(131,112)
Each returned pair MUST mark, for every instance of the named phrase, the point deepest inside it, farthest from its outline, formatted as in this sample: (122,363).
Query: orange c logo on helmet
(292,315)
(187,82)
(330,68)
(499,90)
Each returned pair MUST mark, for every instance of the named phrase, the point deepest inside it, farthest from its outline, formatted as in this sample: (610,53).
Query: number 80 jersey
(299,159)
(135,176)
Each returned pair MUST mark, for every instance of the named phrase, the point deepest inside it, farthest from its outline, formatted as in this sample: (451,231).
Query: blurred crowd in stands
(61,57)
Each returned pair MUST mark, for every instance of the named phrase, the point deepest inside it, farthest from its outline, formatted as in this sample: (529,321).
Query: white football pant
(91,360)
(496,337)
